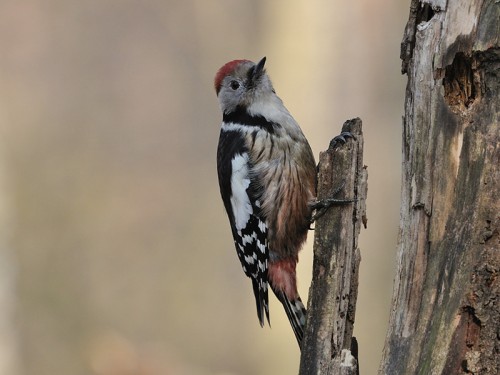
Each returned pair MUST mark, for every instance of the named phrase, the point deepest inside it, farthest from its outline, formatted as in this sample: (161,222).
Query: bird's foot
(341,139)
(320,207)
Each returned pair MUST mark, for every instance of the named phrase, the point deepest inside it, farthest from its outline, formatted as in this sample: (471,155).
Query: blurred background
(115,252)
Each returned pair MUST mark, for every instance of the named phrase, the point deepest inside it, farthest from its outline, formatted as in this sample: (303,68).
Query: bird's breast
(284,172)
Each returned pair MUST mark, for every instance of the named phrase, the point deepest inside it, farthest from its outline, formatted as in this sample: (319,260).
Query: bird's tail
(261,300)
(296,313)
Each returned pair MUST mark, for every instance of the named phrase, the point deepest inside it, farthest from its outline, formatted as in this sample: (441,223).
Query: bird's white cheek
(270,107)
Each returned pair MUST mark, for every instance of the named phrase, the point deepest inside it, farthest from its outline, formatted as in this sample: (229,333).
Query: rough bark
(329,347)
(445,315)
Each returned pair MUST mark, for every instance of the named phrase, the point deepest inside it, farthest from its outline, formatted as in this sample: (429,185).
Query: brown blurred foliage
(116,256)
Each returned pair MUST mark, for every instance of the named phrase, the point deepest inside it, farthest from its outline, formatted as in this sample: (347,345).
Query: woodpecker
(267,180)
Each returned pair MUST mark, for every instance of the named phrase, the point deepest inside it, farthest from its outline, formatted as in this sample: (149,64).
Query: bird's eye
(235,85)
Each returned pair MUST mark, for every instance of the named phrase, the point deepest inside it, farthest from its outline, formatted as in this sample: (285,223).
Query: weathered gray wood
(445,317)
(334,288)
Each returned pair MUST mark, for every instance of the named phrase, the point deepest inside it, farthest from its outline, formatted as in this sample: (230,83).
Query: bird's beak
(260,66)
(256,71)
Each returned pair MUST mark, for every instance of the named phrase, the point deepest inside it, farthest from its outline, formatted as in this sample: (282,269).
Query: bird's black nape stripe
(242,117)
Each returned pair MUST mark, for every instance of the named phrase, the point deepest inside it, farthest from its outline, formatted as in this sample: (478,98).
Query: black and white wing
(248,227)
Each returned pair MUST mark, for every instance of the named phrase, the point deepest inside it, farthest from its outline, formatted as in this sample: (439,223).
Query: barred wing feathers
(249,229)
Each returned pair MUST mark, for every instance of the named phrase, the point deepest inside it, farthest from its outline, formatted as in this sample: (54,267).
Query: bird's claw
(341,139)
(320,207)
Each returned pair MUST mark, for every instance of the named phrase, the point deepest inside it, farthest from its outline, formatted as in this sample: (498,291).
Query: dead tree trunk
(328,346)
(445,316)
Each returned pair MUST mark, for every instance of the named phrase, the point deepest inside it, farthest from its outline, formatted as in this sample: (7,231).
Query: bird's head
(240,83)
